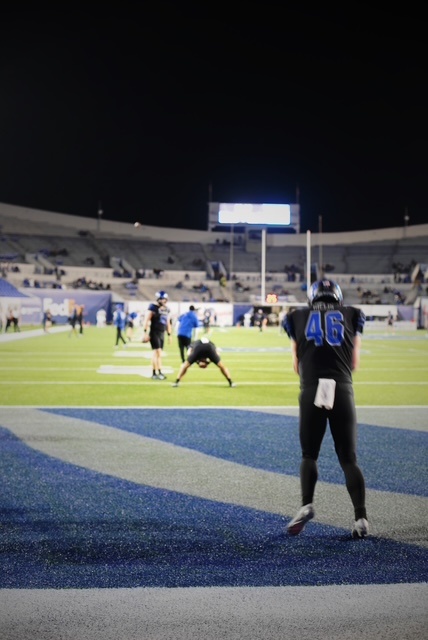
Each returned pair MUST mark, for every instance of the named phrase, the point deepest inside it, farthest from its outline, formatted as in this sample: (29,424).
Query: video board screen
(257,214)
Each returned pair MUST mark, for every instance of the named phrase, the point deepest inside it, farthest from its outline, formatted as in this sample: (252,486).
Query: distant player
(390,322)
(156,323)
(260,320)
(203,352)
(187,324)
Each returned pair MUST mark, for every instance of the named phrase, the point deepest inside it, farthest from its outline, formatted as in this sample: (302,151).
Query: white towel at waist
(324,397)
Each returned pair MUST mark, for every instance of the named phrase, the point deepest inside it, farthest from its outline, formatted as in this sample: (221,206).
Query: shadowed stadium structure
(384,266)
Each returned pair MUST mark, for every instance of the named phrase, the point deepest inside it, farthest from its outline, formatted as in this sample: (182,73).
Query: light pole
(320,256)
(406,220)
(232,238)
(263,274)
(100,213)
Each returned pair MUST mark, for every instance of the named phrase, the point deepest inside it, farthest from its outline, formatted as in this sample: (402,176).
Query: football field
(58,370)
(132,509)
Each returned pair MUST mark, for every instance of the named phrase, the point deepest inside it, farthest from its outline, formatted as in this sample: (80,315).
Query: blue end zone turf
(270,442)
(64,526)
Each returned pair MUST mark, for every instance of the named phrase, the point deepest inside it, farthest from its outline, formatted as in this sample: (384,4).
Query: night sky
(152,110)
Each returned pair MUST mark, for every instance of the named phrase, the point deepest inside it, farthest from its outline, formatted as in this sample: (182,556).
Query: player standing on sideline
(390,322)
(47,320)
(156,322)
(130,325)
(11,320)
(188,322)
(203,352)
(119,321)
(260,319)
(80,317)
(325,346)
(206,321)
(72,321)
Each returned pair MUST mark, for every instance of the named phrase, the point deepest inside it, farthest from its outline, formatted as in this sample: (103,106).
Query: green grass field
(57,370)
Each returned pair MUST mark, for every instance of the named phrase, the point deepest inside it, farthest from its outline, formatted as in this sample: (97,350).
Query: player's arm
(294,357)
(356,352)
(146,327)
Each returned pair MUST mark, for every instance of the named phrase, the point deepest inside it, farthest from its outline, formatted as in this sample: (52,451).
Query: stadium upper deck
(118,252)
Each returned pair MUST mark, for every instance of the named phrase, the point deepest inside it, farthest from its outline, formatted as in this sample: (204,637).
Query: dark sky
(143,107)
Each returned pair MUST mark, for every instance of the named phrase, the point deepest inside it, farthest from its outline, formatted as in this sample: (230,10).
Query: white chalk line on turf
(202,383)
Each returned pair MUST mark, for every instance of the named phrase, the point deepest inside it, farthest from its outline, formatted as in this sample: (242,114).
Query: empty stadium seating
(135,266)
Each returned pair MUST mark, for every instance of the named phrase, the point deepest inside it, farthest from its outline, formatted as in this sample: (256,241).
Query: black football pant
(183,344)
(119,336)
(343,426)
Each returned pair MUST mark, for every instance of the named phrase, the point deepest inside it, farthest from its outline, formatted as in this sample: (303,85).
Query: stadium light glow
(257,214)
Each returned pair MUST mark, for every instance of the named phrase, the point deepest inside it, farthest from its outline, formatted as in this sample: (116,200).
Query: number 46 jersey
(324,334)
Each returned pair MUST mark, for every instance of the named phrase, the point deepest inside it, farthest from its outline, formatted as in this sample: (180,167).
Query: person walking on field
(73,321)
(188,323)
(47,321)
(119,321)
(12,320)
(156,322)
(260,319)
(203,352)
(325,346)
(80,318)
(130,325)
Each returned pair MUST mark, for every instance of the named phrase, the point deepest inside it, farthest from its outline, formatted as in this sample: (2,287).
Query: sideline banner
(28,309)
(60,302)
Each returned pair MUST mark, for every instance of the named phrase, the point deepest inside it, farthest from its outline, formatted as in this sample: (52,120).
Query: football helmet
(161,295)
(325,291)
(203,364)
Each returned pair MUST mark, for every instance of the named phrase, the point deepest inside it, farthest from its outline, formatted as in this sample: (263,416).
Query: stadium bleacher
(58,250)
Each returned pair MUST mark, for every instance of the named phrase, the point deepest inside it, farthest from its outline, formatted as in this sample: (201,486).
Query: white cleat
(298,523)
(360,529)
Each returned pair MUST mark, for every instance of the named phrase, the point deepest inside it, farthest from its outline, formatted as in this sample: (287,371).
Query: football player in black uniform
(203,352)
(325,345)
(156,322)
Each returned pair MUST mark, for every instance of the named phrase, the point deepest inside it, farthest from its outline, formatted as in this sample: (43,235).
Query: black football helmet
(325,291)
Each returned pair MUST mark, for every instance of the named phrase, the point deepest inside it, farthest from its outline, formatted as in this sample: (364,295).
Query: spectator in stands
(156,322)
(203,352)
(188,323)
(240,287)
(399,298)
